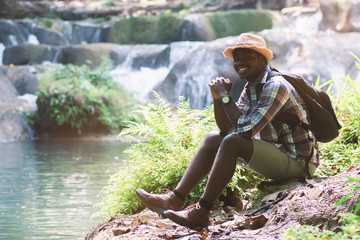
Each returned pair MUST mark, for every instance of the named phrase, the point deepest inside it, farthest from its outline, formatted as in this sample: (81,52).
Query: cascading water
(32,39)
(141,80)
(2,48)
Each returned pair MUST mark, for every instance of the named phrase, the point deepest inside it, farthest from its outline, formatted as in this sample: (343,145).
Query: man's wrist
(225,99)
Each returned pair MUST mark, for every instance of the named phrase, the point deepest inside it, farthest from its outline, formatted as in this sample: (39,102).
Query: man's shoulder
(278,81)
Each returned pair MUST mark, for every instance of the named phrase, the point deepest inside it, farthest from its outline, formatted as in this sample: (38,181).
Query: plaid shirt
(260,102)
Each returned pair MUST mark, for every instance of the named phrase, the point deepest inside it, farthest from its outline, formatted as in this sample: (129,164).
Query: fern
(160,150)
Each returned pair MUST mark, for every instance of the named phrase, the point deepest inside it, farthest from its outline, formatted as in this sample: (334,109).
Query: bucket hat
(249,41)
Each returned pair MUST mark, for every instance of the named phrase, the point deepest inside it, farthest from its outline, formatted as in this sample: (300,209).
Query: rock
(150,56)
(11,33)
(80,54)
(311,204)
(23,78)
(184,80)
(340,15)
(236,4)
(29,54)
(313,56)
(43,35)
(86,32)
(120,231)
(80,10)
(13,125)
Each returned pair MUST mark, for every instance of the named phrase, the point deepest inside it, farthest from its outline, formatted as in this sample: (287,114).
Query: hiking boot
(160,202)
(194,217)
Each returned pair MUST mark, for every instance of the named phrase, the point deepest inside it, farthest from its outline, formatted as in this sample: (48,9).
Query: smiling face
(248,64)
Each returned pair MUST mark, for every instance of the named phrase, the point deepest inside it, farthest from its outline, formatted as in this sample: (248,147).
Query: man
(249,133)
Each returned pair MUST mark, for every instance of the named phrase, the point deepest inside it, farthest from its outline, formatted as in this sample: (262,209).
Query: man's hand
(220,87)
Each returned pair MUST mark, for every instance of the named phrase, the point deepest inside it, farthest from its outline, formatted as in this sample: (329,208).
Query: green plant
(355,188)
(338,156)
(81,99)
(161,148)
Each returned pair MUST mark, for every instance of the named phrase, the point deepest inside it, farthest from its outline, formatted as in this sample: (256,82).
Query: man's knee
(241,145)
(236,139)
(213,139)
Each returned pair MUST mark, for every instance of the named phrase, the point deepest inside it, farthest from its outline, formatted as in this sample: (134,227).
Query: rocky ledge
(293,204)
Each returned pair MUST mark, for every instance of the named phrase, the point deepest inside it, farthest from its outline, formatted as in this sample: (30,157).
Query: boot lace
(166,191)
(193,207)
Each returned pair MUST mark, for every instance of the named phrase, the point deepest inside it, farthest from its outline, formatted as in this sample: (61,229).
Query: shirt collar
(262,77)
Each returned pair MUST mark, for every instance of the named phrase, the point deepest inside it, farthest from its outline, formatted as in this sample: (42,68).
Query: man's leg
(200,165)
(197,170)
(232,147)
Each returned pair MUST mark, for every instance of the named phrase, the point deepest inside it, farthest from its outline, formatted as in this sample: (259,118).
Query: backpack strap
(285,117)
(292,120)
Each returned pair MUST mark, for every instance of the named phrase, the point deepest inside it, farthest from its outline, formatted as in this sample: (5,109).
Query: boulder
(23,79)
(315,56)
(8,92)
(81,54)
(190,76)
(137,56)
(43,35)
(296,204)
(29,54)
(12,33)
(340,15)
(12,82)
(13,125)
(85,32)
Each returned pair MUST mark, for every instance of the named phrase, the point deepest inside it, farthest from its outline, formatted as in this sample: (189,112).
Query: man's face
(248,64)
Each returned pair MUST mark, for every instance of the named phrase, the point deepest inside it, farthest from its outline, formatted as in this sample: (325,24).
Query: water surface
(48,189)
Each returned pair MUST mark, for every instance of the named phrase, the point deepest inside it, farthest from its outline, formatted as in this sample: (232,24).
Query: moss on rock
(232,23)
(145,29)
(165,28)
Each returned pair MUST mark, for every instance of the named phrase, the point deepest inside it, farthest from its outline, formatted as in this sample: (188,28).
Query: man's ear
(264,60)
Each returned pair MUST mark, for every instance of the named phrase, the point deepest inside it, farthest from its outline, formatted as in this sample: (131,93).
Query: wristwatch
(225,99)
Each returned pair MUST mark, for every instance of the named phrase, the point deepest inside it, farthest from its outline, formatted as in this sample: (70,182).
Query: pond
(48,189)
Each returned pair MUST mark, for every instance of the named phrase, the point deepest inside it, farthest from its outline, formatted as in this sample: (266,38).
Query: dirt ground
(294,203)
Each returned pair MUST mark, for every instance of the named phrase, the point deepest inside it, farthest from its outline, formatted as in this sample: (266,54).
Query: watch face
(225,99)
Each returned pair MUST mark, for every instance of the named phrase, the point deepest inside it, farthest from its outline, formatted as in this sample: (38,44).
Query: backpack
(324,124)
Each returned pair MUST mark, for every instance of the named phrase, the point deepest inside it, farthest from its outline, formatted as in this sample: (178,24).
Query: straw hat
(250,41)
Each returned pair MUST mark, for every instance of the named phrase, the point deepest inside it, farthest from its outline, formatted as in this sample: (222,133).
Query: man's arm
(226,115)
(221,118)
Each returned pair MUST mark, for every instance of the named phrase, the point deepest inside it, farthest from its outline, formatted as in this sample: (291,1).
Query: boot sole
(147,204)
(181,222)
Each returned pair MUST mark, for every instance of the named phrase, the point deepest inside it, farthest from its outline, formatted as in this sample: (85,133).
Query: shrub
(159,154)
(82,99)
(344,151)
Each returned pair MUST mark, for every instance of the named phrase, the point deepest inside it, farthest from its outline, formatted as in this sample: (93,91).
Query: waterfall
(2,48)
(33,39)
(140,80)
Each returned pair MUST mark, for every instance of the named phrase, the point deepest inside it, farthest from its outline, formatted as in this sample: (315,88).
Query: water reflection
(48,189)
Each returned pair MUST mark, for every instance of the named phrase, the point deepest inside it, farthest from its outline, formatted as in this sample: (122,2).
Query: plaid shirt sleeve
(243,103)
(273,97)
